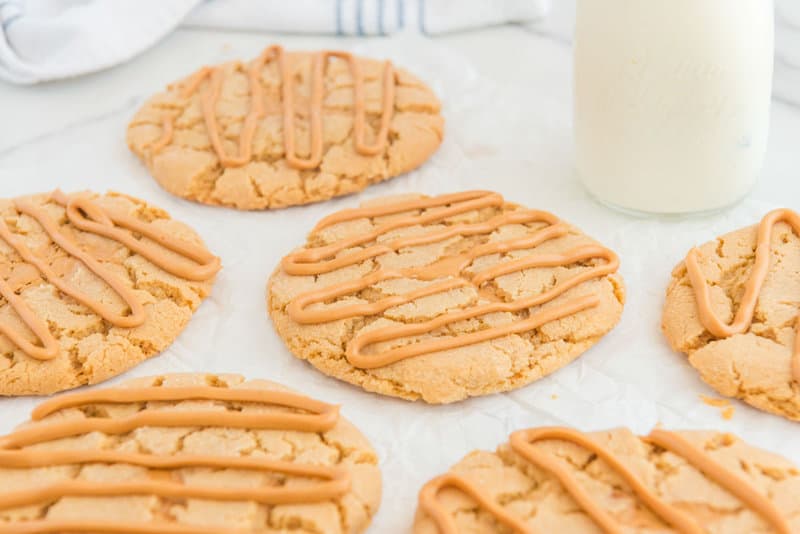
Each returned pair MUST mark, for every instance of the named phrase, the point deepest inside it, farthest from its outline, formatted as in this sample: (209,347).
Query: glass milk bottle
(672,100)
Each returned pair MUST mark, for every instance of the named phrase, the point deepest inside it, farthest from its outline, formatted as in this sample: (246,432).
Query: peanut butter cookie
(732,306)
(187,453)
(287,128)
(560,480)
(442,298)
(91,285)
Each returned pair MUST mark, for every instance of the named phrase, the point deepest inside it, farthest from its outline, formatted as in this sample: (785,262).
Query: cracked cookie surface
(443,298)
(755,364)
(220,136)
(531,497)
(255,457)
(91,297)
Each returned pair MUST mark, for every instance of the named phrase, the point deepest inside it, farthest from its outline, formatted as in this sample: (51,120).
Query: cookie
(442,298)
(561,480)
(286,128)
(732,306)
(91,285)
(187,453)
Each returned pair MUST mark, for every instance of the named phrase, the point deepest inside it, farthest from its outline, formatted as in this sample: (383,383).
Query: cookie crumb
(726,410)
(715,402)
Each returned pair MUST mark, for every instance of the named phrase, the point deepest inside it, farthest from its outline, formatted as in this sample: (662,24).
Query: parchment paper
(515,139)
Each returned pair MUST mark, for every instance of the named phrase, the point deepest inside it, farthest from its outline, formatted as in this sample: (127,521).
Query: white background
(507,101)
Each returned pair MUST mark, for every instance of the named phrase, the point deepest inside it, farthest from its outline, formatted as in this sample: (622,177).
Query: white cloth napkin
(43,40)
(49,39)
(364,17)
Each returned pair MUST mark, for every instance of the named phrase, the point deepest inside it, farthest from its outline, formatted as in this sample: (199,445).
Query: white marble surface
(508,107)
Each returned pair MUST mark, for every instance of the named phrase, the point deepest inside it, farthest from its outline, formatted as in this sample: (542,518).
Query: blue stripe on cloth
(380,18)
(359,21)
(338,17)
(401,14)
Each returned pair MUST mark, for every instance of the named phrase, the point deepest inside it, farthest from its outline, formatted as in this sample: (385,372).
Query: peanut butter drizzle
(210,97)
(185,91)
(371,361)
(523,443)
(88,216)
(428,501)
(202,265)
(728,480)
(447,274)
(487,198)
(49,347)
(333,481)
(752,288)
